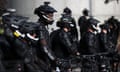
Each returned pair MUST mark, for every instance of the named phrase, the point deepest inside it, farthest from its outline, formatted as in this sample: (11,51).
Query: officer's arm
(45,46)
(66,41)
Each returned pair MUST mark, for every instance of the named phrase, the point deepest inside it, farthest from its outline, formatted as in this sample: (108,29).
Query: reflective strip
(15,26)
(6,14)
(48,53)
(16,34)
(31,37)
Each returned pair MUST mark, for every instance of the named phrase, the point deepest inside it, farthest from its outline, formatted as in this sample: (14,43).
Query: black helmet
(29,27)
(112,20)
(93,21)
(85,12)
(104,26)
(65,22)
(14,21)
(67,11)
(43,10)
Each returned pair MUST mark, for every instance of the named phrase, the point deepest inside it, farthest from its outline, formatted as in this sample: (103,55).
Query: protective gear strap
(47,18)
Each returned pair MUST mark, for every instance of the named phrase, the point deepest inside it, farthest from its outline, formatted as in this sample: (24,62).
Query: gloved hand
(74,51)
(63,63)
(77,54)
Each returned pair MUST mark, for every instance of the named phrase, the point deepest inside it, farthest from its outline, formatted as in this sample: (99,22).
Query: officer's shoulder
(55,31)
(82,17)
(41,27)
(62,33)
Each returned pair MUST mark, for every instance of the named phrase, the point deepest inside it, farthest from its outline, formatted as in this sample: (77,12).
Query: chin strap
(49,19)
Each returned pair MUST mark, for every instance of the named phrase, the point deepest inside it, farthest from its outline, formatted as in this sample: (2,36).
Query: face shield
(45,13)
(49,17)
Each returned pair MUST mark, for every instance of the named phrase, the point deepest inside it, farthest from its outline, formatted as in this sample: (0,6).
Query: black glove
(63,63)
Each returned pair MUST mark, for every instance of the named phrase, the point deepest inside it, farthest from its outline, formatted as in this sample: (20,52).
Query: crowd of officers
(28,47)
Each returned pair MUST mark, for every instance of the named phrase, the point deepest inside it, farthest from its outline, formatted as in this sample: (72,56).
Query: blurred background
(97,8)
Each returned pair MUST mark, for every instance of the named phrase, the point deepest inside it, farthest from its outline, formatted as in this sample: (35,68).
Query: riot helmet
(30,29)
(45,13)
(93,23)
(104,26)
(65,22)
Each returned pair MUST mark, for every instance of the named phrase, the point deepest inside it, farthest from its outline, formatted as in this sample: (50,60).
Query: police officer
(24,41)
(20,51)
(89,43)
(23,37)
(31,39)
(45,14)
(68,14)
(113,31)
(82,22)
(63,44)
